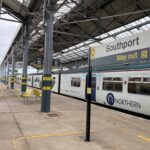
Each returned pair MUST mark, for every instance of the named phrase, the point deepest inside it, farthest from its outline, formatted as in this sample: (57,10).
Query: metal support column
(88,91)
(13,71)
(5,72)
(25,59)
(7,75)
(1,73)
(49,8)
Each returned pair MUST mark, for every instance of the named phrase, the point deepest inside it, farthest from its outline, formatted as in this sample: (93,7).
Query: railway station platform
(24,127)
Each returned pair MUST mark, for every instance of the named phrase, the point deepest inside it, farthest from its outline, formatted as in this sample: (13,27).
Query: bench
(37,93)
(27,94)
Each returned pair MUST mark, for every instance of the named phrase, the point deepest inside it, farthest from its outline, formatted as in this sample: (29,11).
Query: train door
(93,88)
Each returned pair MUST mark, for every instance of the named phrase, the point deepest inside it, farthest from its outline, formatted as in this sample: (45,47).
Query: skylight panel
(25,2)
(94,44)
(77,50)
(148,25)
(144,28)
(88,41)
(20,1)
(65,9)
(143,20)
(135,31)
(65,50)
(80,44)
(125,34)
(82,48)
(103,35)
(147,18)
(112,32)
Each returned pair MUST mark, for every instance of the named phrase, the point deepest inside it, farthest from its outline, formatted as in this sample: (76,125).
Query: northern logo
(110,99)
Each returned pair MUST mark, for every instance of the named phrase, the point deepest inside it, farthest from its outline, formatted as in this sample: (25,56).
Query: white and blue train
(127,90)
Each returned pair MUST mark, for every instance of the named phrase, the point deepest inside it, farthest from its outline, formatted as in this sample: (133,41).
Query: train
(127,90)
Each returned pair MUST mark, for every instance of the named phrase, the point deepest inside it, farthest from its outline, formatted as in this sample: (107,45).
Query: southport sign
(135,48)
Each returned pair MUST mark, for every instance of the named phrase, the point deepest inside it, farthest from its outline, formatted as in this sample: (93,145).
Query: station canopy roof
(78,25)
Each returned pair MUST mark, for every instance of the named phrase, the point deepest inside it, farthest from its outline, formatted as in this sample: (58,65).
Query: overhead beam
(15,8)
(71,34)
(105,17)
(10,20)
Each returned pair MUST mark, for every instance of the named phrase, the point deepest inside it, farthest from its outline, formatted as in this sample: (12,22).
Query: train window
(115,85)
(37,79)
(29,79)
(107,78)
(139,88)
(75,82)
(93,84)
(117,79)
(112,86)
(53,81)
(146,79)
(135,79)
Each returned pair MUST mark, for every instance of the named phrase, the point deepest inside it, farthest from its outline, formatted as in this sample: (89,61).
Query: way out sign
(135,48)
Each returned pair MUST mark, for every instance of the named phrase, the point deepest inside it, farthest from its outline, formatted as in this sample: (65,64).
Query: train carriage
(128,90)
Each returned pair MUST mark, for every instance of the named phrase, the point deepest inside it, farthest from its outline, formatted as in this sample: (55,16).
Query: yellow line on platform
(135,135)
(14,144)
(124,129)
(144,138)
(49,135)
(45,135)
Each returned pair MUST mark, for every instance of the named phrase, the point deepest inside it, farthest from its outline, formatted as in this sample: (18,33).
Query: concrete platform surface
(24,127)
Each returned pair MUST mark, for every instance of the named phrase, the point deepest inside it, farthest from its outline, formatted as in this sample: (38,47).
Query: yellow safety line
(44,136)
(135,135)
(49,135)
(14,144)
(124,129)
(144,138)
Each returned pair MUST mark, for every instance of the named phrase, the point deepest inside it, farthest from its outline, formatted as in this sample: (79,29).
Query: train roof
(113,68)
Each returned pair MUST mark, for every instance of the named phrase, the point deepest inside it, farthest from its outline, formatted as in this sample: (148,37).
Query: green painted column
(12,81)
(25,60)
(49,8)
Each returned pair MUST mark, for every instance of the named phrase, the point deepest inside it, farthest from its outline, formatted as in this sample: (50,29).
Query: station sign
(133,49)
